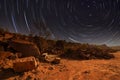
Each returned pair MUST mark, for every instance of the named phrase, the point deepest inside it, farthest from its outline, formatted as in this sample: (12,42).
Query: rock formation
(26,48)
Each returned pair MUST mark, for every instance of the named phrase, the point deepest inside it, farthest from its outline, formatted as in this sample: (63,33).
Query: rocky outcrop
(25,48)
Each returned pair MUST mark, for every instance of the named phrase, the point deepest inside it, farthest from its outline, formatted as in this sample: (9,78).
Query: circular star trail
(85,21)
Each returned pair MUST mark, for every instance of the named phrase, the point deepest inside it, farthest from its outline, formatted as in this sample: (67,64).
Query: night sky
(84,21)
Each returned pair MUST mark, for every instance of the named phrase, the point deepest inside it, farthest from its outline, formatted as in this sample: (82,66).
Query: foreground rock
(51,58)
(24,64)
(26,48)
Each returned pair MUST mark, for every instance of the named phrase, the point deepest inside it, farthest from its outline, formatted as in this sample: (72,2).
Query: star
(90,14)
(88,6)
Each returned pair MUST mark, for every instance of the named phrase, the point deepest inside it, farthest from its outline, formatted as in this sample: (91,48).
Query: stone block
(24,64)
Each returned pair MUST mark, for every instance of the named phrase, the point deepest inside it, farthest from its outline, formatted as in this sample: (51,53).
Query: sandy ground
(71,70)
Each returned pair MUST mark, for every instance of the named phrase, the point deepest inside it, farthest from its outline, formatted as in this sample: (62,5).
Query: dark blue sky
(86,21)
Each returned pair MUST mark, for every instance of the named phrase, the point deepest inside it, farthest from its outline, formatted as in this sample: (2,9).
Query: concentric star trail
(26,22)
(14,24)
(85,21)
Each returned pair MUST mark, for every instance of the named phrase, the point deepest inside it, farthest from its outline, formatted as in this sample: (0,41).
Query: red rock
(4,55)
(51,58)
(26,48)
(24,64)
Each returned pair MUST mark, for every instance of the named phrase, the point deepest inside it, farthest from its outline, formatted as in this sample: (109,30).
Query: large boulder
(24,64)
(26,48)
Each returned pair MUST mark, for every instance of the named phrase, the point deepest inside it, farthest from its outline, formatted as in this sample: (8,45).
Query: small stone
(50,68)
(86,72)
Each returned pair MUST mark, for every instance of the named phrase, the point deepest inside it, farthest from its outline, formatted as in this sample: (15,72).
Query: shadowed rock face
(25,47)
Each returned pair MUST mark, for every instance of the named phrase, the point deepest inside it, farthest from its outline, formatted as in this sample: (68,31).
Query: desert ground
(95,69)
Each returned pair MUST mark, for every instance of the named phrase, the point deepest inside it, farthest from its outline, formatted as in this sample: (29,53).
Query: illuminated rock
(51,58)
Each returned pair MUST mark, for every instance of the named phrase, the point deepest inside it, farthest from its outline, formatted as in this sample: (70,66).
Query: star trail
(84,21)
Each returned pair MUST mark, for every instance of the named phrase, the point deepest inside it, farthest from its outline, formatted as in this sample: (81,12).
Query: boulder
(24,64)
(51,58)
(26,48)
